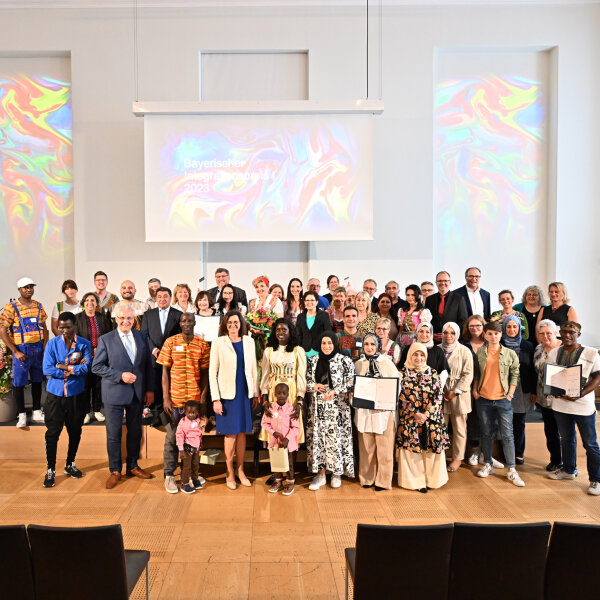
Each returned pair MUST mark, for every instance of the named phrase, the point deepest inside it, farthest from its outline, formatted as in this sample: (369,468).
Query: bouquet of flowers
(5,370)
(261,319)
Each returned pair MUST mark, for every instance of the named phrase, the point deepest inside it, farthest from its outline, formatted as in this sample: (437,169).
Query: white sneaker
(514,478)
(38,416)
(561,474)
(22,421)
(486,470)
(336,481)
(594,489)
(99,416)
(495,463)
(170,485)
(317,483)
(87,418)
(473,459)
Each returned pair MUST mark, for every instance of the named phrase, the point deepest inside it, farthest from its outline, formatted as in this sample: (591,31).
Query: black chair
(572,561)
(498,561)
(390,560)
(16,575)
(72,563)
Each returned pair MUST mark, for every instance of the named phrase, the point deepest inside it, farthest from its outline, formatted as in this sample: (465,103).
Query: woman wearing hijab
(525,394)
(457,390)
(329,377)
(436,358)
(376,428)
(422,437)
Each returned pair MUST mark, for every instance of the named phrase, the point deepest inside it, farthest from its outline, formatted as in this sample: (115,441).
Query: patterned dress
(367,325)
(421,392)
(280,366)
(329,431)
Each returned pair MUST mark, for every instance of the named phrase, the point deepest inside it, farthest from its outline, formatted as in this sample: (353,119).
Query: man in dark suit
(123,360)
(222,277)
(445,306)
(476,299)
(159,324)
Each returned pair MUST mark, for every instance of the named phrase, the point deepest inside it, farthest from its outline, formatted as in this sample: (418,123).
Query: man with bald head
(123,360)
(137,306)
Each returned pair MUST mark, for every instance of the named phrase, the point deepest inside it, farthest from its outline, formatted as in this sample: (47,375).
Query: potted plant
(8,406)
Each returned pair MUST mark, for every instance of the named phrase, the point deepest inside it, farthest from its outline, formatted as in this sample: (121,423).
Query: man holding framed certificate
(576,408)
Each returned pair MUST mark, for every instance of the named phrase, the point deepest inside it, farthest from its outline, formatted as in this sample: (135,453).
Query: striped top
(33,327)
(186,362)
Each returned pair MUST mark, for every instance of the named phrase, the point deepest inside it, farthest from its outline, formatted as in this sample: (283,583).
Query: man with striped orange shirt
(185,359)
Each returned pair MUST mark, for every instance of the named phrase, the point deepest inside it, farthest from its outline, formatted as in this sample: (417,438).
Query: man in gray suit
(123,360)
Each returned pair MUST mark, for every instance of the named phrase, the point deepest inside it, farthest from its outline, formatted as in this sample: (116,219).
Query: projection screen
(301,177)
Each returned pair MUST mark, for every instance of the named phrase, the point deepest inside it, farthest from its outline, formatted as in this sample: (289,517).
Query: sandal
(288,488)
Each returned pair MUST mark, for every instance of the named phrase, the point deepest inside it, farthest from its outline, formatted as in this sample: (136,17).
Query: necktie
(442,305)
(163,320)
(127,339)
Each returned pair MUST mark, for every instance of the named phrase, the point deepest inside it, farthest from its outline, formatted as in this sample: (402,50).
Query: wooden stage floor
(248,543)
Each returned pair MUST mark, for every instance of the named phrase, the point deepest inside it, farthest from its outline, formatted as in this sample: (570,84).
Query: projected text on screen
(249,177)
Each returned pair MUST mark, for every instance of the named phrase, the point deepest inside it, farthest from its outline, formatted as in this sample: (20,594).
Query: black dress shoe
(271,480)
(368,486)
(379,489)
(519,461)
(423,490)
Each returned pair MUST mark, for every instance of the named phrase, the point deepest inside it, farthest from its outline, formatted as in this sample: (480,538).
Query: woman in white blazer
(234,390)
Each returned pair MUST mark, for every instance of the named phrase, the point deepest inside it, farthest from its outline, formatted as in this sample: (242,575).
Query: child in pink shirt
(283,429)
(189,441)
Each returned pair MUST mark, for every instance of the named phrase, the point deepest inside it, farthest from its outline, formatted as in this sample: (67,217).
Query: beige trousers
(459,435)
(376,456)
(416,471)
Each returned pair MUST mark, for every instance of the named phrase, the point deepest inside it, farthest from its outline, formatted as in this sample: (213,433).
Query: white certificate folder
(378,393)
(562,381)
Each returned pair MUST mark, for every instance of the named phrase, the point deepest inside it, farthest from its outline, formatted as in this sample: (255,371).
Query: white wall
(108,140)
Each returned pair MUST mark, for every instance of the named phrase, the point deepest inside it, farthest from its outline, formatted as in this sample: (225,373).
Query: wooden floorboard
(249,543)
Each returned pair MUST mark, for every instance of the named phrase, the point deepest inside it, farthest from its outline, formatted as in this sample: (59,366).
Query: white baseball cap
(25,281)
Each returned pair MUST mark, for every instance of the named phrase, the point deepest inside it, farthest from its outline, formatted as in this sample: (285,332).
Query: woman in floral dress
(422,437)
(329,377)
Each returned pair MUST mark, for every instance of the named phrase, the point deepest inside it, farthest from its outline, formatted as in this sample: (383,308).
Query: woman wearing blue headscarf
(525,394)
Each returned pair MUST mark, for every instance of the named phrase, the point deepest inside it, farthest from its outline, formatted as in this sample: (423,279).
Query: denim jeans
(568,442)
(487,409)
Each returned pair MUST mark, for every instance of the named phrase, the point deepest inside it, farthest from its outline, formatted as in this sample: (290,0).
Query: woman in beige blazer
(234,389)
(457,390)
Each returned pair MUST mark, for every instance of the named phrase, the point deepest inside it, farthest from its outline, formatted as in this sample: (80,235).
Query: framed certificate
(562,381)
(207,327)
(377,393)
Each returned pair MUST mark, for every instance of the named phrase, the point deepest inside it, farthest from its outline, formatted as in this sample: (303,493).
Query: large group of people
(284,366)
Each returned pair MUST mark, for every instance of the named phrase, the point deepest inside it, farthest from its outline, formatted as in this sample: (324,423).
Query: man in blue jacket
(67,361)
(123,360)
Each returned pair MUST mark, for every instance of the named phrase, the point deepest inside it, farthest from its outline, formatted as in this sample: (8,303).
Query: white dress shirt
(476,301)
(129,343)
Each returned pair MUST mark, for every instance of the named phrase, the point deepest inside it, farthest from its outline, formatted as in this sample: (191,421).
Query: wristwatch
(509,395)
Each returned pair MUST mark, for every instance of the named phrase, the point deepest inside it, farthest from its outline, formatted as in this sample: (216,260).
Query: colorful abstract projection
(489,160)
(36,168)
(257,177)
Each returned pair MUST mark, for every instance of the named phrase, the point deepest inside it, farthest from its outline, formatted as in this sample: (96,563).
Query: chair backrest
(412,561)
(78,562)
(572,561)
(16,576)
(498,561)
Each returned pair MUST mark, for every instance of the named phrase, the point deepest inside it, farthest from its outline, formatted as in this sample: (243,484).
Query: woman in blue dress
(234,390)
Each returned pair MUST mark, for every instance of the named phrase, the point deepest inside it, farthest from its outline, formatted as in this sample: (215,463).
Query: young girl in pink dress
(283,429)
